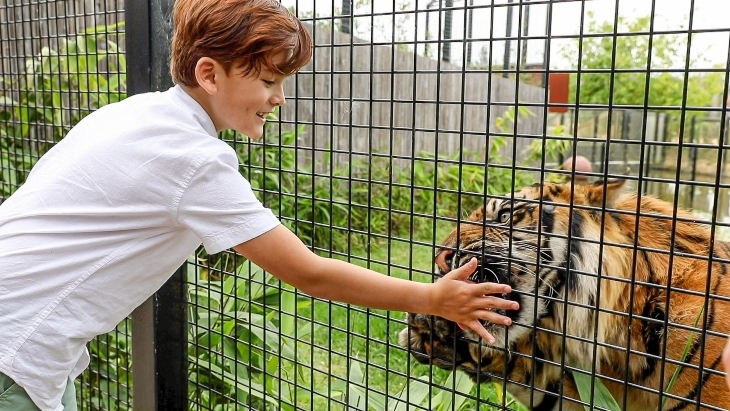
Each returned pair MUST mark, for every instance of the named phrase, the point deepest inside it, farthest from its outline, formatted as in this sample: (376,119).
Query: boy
(111,211)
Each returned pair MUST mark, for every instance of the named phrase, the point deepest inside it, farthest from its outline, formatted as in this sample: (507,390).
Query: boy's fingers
(478,328)
(494,288)
(500,303)
(464,271)
(494,317)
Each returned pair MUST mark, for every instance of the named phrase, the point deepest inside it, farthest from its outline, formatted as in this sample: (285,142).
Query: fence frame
(160,346)
(159,325)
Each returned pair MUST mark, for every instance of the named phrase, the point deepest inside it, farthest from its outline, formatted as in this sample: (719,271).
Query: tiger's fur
(599,325)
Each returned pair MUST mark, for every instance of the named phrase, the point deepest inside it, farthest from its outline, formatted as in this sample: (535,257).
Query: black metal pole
(346,25)
(469,33)
(525,34)
(446,54)
(693,159)
(159,325)
(508,34)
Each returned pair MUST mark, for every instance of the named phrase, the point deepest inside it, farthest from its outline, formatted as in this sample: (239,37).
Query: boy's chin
(252,134)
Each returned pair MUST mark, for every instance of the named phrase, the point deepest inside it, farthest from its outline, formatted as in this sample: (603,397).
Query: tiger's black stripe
(701,340)
(550,398)
(652,332)
(575,248)
(692,394)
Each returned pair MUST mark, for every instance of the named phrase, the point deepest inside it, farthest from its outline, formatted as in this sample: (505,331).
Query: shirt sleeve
(220,207)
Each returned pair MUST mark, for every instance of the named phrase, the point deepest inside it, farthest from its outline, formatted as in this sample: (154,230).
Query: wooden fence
(28,26)
(355,97)
(363,98)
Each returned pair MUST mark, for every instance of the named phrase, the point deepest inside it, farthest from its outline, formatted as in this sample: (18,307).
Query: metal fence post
(159,325)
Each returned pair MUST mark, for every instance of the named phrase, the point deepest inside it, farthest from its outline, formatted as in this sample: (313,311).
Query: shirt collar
(200,115)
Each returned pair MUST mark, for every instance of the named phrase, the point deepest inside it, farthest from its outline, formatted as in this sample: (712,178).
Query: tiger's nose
(443,259)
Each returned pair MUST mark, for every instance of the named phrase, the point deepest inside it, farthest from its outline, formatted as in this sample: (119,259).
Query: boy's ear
(206,70)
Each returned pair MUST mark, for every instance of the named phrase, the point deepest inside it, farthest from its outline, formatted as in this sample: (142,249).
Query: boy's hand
(466,303)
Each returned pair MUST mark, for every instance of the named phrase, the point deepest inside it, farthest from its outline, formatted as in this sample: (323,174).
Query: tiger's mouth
(488,271)
(492,267)
(435,341)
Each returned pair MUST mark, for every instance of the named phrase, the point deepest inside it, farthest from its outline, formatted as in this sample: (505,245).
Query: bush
(58,89)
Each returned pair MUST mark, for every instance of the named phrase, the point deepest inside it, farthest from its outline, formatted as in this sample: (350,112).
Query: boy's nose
(278,99)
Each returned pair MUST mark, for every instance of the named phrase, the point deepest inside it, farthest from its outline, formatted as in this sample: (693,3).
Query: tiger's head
(589,267)
(520,239)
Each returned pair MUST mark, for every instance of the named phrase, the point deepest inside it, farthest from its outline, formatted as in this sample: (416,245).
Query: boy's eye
(269,82)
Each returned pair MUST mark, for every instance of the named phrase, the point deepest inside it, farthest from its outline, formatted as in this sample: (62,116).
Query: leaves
(601,396)
(614,69)
(58,88)
(242,353)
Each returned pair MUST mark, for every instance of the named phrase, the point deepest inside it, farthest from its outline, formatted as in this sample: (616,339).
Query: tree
(629,67)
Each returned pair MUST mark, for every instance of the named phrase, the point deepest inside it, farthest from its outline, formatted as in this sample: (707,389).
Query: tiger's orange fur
(525,240)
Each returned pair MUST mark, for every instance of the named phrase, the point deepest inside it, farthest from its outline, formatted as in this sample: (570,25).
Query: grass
(348,334)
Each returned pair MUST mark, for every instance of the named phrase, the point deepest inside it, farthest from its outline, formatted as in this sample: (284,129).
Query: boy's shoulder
(170,111)
(145,105)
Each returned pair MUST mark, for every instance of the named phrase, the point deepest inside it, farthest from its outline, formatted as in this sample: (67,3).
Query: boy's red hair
(245,34)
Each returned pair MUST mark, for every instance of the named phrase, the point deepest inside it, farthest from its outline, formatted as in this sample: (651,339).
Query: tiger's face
(589,267)
(519,240)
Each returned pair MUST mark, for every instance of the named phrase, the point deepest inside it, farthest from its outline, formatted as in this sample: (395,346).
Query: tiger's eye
(504,216)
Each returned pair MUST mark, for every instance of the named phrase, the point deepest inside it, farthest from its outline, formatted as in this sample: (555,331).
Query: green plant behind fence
(57,89)
(248,315)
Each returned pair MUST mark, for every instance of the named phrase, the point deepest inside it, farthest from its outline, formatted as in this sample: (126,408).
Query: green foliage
(58,88)
(242,349)
(325,208)
(108,380)
(422,392)
(419,392)
(618,54)
(602,398)
(548,149)
(505,123)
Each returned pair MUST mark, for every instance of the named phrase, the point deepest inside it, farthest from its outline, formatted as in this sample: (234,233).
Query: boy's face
(242,103)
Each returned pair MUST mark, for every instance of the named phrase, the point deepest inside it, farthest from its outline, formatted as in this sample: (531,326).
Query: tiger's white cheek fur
(584,267)
(523,283)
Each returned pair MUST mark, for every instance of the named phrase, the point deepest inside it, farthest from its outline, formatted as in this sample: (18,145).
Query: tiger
(600,283)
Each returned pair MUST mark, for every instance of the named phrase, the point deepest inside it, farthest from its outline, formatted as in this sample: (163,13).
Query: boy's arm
(283,254)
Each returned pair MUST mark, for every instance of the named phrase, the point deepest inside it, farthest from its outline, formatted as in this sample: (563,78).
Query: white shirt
(104,219)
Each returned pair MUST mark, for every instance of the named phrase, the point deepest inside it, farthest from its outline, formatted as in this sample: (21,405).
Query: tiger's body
(557,241)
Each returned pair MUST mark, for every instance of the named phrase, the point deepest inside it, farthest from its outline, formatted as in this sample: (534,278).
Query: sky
(491,23)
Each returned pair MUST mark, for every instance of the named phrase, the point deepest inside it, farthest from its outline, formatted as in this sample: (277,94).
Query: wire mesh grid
(411,116)
(60,61)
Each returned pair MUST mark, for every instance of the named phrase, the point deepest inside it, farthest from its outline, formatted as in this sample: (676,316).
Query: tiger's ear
(611,190)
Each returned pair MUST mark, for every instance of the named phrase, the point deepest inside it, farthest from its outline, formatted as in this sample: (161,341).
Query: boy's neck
(203,98)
